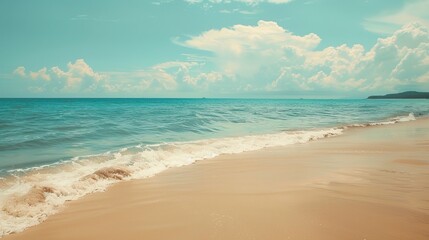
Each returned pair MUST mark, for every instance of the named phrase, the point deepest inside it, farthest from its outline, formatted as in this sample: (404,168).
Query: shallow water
(56,150)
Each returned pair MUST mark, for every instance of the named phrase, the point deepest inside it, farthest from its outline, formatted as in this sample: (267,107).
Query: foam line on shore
(29,196)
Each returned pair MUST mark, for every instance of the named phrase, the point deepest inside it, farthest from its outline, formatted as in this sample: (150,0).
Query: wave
(398,119)
(29,196)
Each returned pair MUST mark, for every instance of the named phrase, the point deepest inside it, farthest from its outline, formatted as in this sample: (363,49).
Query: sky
(213,48)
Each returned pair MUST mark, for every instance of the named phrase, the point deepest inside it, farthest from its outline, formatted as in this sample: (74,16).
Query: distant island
(403,95)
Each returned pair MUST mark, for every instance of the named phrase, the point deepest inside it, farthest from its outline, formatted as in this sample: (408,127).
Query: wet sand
(370,183)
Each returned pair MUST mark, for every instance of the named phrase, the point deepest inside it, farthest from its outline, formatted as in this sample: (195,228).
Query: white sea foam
(407,118)
(30,196)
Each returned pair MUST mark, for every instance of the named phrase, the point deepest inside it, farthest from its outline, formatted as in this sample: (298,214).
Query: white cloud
(76,73)
(388,22)
(401,59)
(269,56)
(264,57)
(74,76)
(243,50)
(20,71)
(79,76)
(208,78)
(41,74)
(240,38)
(164,76)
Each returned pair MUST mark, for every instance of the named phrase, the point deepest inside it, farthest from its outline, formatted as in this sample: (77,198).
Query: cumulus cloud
(41,74)
(399,60)
(207,78)
(243,50)
(167,76)
(262,57)
(395,62)
(74,75)
(190,73)
(20,71)
(79,76)
(241,38)
(276,59)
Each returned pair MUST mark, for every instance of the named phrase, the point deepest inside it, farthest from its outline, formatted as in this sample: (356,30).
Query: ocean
(57,150)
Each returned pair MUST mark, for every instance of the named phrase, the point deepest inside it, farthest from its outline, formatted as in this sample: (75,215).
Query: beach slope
(370,183)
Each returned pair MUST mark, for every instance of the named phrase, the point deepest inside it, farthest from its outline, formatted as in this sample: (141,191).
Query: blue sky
(213,48)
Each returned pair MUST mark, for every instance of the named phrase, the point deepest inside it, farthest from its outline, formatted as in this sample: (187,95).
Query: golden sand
(370,183)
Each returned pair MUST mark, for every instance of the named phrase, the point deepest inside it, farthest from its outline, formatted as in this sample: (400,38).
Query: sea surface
(57,150)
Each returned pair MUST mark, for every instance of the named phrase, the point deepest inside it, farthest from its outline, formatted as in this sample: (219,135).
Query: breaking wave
(29,196)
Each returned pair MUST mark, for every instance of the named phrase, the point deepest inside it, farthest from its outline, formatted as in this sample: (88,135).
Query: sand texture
(370,183)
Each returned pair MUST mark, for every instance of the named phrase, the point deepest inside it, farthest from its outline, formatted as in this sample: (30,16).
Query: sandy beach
(370,183)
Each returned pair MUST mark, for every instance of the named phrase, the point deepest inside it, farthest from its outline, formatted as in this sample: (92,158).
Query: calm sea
(66,148)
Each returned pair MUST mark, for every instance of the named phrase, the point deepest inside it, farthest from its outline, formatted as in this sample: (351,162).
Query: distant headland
(403,95)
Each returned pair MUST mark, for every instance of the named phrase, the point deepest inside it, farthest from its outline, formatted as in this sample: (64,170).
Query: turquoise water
(58,150)
(36,132)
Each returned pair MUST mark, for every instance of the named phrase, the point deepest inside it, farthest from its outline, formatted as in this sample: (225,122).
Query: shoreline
(365,173)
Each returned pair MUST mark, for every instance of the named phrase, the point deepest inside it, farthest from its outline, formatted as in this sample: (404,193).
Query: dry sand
(370,183)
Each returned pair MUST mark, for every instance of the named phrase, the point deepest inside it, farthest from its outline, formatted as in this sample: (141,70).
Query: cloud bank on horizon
(263,59)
